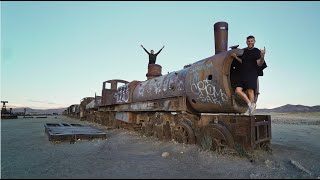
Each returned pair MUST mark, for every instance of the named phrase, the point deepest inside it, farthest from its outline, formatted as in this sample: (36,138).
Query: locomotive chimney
(154,70)
(220,37)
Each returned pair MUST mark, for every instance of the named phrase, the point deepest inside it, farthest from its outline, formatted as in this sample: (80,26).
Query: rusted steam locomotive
(196,104)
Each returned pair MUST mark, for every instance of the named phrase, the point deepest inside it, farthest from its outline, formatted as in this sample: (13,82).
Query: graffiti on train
(172,81)
(123,94)
(206,91)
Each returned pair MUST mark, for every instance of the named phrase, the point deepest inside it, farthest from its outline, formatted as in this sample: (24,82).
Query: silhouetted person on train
(152,56)
(252,63)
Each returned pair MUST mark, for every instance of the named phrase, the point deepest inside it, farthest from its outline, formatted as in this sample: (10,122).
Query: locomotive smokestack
(220,37)
(154,70)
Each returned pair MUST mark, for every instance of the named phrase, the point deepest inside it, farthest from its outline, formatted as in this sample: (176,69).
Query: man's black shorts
(247,84)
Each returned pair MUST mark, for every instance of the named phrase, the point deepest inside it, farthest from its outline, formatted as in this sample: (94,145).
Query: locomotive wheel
(217,137)
(183,133)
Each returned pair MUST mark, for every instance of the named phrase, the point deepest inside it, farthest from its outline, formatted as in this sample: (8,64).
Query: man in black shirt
(152,56)
(251,60)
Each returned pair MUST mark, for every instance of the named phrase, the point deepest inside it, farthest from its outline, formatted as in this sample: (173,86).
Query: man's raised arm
(145,49)
(261,60)
(159,50)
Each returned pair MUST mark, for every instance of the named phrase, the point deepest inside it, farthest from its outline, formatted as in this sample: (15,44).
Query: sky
(55,53)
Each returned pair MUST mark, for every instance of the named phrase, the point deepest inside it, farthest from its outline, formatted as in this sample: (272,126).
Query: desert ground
(26,152)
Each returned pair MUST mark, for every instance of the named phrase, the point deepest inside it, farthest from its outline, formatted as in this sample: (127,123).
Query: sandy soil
(27,153)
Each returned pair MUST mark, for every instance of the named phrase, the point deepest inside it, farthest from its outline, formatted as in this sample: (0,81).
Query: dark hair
(250,37)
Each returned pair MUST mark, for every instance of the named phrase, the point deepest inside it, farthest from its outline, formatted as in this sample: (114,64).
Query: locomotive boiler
(196,104)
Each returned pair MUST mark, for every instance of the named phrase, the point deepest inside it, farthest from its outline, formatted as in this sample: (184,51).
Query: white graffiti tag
(141,90)
(206,92)
(123,94)
(173,81)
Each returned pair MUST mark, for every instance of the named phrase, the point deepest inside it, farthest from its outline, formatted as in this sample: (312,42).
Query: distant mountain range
(38,111)
(289,108)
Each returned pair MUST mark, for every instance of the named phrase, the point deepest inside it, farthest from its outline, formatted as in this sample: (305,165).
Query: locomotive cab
(108,95)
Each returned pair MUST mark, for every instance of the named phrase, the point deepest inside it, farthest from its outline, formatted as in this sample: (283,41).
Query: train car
(194,105)
(73,111)
(91,108)
(83,103)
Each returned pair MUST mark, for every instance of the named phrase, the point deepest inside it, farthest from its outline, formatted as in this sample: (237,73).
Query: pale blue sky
(55,53)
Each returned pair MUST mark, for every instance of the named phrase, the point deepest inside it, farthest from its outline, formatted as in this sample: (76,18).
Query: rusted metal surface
(154,70)
(83,103)
(74,108)
(217,137)
(168,104)
(67,131)
(180,105)
(209,85)
(73,111)
(124,93)
(95,103)
(128,117)
(221,37)
(221,130)
(262,127)
(169,85)
(109,95)
(183,133)
(248,132)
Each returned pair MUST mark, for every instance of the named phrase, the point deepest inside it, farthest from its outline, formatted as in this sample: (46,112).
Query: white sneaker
(247,113)
(252,108)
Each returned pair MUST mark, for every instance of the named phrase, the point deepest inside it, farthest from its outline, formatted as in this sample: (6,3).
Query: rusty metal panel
(83,103)
(154,70)
(124,93)
(94,103)
(90,105)
(169,104)
(169,85)
(128,117)
(73,108)
(221,37)
(77,108)
(109,95)
(262,128)
(243,128)
(208,85)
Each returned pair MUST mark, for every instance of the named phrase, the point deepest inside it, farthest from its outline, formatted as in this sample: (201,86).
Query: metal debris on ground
(71,132)
(299,166)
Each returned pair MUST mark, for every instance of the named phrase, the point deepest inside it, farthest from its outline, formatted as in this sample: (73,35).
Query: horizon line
(61,107)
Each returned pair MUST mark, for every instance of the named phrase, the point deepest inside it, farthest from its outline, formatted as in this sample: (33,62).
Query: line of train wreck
(194,105)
